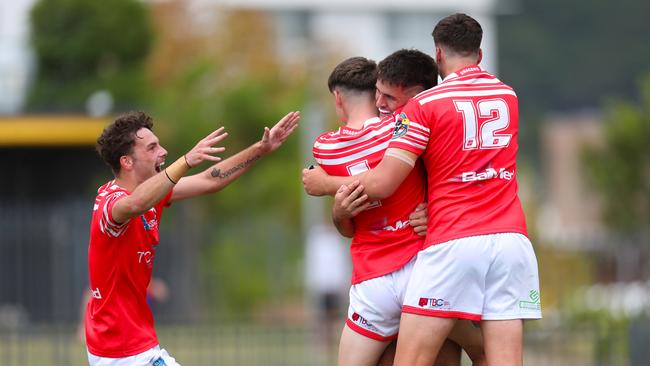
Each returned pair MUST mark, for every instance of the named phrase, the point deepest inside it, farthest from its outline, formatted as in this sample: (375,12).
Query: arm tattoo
(216,173)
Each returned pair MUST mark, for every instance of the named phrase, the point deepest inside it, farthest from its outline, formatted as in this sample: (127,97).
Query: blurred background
(254,275)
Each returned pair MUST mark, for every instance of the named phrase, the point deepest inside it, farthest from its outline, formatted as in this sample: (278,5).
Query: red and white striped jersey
(466,131)
(383,239)
(119,322)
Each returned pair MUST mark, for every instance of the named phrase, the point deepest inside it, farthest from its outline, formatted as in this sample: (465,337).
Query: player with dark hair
(124,228)
(383,242)
(477,262)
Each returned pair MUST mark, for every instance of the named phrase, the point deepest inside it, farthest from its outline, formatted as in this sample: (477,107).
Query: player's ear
(126,162)
(438,55)
(338,98)
(480,56)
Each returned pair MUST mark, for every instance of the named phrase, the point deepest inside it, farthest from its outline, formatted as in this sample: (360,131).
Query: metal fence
(244,344)
(43,250)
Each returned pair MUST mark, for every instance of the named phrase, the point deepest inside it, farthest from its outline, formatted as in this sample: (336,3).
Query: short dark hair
(408,67)
(355,73)
(459,32)
(118,138)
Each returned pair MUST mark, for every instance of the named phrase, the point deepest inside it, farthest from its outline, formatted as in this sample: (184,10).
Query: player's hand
(313,180)
(205,149)
(418,219)
(273,138)
(349,200)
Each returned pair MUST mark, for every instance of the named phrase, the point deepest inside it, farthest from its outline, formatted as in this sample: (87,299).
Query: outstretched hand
(205,149)
(274,138)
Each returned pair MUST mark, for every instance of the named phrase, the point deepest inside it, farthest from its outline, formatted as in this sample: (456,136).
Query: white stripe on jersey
(467,93)
(106,225)
(414,126)
(473,82)
(333,154)
(325,145)
(404,140)
(348,158)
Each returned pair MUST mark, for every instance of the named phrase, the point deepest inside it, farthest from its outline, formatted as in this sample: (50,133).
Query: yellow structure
(50,130)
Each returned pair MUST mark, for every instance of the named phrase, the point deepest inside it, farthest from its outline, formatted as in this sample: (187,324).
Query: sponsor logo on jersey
(401,125)
(469,70)
(487,174)
(433,303)
(398,226)
(345,131)
(361,321)
(146,257)
(533,302)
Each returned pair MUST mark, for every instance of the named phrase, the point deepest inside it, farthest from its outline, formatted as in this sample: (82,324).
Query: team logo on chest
(149,224)
(401,126)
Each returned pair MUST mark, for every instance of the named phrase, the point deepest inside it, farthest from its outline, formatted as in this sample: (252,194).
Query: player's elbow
(128,208)
(136,207)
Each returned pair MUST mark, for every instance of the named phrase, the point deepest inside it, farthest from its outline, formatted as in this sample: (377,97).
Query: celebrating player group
(472,279)
(423,179)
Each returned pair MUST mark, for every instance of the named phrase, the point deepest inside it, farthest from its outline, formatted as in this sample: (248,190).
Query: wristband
(187,162)
(177,170)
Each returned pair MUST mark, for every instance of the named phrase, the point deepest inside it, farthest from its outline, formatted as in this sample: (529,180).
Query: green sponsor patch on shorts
(533,303)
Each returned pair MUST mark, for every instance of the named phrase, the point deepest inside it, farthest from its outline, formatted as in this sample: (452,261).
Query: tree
(229,76)
(82,46)
(620,170)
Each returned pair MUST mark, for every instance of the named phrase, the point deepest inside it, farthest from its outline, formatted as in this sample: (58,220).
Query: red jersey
(383,239)
(119,322)
(466,130)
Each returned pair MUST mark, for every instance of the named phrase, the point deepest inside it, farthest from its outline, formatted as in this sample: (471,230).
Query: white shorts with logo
(486,277)
(376,304)
(155,356)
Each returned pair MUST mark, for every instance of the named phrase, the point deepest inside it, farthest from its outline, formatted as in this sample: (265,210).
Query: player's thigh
(388,357)
(356,349)
(375,308)
(470,339)
(512,283)
(448,280)
(503,341)
(420,339)
(449,354)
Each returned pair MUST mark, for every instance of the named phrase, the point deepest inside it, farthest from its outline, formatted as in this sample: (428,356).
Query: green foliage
(82,46)
(621,170)
(610,333)
(252,225)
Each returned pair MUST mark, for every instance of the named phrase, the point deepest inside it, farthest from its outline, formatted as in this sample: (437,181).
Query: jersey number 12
(485,135)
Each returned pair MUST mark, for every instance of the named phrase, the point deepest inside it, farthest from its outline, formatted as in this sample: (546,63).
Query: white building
(368,28)
(16,61)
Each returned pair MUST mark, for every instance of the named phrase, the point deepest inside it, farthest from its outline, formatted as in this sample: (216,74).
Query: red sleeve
(107,225)
(164,203)
(411,131)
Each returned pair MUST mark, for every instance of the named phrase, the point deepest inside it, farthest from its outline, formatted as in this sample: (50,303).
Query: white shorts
(487,277)
(376,304)
(155,356)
